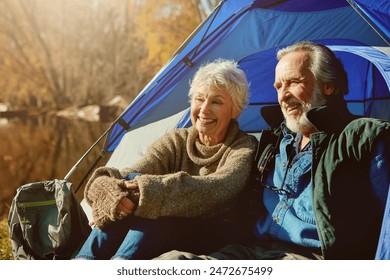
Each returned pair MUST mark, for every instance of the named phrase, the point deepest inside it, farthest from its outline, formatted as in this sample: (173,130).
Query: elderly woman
(186,182)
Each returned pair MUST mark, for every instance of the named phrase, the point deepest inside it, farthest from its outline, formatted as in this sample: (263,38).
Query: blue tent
(251,31)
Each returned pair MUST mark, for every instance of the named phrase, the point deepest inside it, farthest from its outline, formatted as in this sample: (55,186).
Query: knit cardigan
(180,177)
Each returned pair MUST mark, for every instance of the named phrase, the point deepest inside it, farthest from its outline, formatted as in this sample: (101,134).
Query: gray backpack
(46,221)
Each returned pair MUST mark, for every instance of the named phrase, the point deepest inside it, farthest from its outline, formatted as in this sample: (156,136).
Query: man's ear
(328,88)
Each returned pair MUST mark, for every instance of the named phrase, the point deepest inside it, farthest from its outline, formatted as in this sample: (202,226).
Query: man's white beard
(302,124)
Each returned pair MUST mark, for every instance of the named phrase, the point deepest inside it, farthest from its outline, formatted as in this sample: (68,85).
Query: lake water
(40,149)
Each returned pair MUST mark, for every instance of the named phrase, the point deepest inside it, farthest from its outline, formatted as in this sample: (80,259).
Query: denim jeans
(131,238)
(140,238)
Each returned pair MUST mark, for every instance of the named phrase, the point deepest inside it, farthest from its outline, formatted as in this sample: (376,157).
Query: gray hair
(323,63)
(223,73)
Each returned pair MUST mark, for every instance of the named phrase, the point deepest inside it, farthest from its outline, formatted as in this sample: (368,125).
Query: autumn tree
(66,52)
(167,24)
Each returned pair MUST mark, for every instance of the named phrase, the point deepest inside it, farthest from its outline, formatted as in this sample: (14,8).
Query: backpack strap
(265,154)
(264,161)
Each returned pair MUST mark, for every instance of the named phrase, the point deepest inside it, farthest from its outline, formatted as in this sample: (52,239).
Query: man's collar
(331,117)
(272,115)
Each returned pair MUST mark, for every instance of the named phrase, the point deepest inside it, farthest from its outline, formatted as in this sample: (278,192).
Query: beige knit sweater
(181,177)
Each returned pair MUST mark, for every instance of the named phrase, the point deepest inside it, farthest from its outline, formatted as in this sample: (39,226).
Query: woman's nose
(205,107)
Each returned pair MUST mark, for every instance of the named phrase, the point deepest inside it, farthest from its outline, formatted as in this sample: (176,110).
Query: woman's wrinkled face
(211,113)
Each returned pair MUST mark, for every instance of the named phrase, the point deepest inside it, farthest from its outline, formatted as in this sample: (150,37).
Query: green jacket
(348,215)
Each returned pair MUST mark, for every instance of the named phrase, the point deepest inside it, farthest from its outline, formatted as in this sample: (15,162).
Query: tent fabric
(123,156)
(251,32)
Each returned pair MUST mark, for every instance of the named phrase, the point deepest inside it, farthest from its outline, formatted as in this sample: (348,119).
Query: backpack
(46,221)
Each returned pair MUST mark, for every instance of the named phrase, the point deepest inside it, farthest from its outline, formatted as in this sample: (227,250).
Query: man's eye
(294,82)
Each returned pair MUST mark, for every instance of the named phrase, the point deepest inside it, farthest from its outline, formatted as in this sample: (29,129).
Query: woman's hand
(126,206)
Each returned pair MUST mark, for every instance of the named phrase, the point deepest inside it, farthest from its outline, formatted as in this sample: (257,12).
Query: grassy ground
(5,244)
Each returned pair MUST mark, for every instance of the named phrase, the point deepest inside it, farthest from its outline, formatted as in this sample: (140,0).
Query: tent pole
(362,14)
(120,121)
(101,155)
(67,176)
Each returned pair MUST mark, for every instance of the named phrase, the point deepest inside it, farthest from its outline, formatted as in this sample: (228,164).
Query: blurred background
(67,70)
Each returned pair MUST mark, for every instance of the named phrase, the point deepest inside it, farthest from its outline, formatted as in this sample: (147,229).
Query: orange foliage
(165,24)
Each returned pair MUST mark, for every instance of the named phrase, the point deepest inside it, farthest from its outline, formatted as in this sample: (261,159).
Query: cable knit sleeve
(184,194)
(161,156)
(103,192)
(180,177)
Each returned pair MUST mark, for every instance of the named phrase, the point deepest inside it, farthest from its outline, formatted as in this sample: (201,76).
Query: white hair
(223,73)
